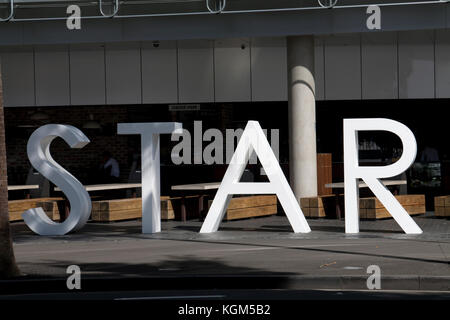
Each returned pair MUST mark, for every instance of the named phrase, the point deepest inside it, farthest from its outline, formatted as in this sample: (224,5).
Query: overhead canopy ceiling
(54,9)
(138,20)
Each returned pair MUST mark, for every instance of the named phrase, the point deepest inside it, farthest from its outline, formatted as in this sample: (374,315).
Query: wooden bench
(442,206)
(319,207)
(127,209)
(369,208)
(372,208)
(49,205)
(250,207)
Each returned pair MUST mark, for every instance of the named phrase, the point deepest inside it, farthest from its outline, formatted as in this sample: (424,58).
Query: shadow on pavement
(182,273)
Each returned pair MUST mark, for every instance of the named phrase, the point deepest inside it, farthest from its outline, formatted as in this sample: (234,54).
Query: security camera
(242,46)
(155,44)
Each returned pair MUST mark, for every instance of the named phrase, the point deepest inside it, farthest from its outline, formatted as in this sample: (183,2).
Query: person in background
(429,154)
(110,168)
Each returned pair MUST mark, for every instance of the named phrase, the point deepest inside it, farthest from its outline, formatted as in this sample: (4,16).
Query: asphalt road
(236,295)
(326,258)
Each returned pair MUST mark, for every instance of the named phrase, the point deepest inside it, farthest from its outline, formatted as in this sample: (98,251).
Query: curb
(419,283)
(208,282)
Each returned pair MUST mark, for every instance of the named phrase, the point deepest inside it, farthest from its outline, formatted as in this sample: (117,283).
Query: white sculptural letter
(253,139)
(38,150)
(370,175)
(150,163)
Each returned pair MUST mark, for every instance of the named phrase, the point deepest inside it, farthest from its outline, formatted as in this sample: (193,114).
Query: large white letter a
(253,139)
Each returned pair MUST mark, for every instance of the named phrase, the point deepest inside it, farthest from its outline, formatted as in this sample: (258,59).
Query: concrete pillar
(302,116)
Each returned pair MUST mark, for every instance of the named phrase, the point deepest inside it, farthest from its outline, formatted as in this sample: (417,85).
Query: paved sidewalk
(260,248)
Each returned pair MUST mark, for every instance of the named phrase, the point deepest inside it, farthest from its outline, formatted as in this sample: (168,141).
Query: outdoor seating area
(188,207)
(173,208)
(192,201)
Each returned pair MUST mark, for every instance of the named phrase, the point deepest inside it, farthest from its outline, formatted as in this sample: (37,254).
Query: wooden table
(100,187)
(109,186)
(207,186)
(23,187)
(361,184)
(198,186)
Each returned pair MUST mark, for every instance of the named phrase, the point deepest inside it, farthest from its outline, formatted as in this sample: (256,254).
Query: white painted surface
(416,64)
(269,69)
(87,74)
(196,71)
(150,163)
(253,138)
(379,65)
(442,63)
(342,67)
(18,77)
(232,70)
(371,174)
(386,65)
(38,151)
(159,72)
(123,73)
(52,76)
(302,117)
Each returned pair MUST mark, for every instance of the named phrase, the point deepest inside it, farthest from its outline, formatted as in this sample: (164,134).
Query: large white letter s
(38,150)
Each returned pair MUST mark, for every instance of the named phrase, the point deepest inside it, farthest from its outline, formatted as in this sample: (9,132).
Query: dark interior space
(376,148)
